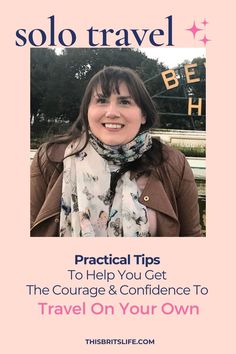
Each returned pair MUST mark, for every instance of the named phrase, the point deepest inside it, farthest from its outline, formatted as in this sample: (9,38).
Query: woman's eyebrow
(97,94)
(125,97)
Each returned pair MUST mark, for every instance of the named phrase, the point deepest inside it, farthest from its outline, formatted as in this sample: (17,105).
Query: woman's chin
(111,140)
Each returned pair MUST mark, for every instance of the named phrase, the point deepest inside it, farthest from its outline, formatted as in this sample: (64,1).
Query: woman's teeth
(113,126)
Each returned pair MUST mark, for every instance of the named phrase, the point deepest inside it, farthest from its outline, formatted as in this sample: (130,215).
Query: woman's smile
(113,126)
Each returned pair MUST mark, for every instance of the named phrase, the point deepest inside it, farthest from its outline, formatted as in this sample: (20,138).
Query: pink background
(207,261)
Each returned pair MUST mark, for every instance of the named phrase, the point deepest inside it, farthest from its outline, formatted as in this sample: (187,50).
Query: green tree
(58,82)
(42,62)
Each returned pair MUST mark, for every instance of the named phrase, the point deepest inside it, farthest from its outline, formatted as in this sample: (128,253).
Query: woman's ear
(143,119)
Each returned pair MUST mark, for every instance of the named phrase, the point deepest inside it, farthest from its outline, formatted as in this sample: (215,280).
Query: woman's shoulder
(51,152)
(47,158)
(171,155)
(176,163)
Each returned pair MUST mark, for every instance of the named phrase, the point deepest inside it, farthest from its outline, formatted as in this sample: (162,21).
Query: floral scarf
(87,207)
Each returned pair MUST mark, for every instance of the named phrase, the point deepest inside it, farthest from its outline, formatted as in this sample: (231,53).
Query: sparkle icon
(205,22)
(205,40)
(194,29)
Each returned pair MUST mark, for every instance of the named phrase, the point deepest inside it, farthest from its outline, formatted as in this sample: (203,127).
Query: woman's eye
(125,102)
(101,100)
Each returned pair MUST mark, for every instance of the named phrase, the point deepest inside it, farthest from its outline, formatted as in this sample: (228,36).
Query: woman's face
(114,120)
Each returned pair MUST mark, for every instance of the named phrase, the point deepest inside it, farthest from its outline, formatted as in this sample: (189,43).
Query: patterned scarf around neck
(87,207)
(120,154)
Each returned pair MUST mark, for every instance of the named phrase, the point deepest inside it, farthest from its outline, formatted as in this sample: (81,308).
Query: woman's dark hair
(109,79)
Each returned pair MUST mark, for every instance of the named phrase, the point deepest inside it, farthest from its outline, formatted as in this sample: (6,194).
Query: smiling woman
(115,120)
(107,177)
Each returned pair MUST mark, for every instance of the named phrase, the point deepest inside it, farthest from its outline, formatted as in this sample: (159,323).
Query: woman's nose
(112,111)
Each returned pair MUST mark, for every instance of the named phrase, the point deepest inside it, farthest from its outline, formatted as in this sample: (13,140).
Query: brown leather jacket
(170,191)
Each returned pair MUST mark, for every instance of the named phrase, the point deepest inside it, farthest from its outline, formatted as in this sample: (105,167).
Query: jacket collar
(154,197)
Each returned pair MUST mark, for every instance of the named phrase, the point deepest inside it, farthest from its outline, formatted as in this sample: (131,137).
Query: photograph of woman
(107,176)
